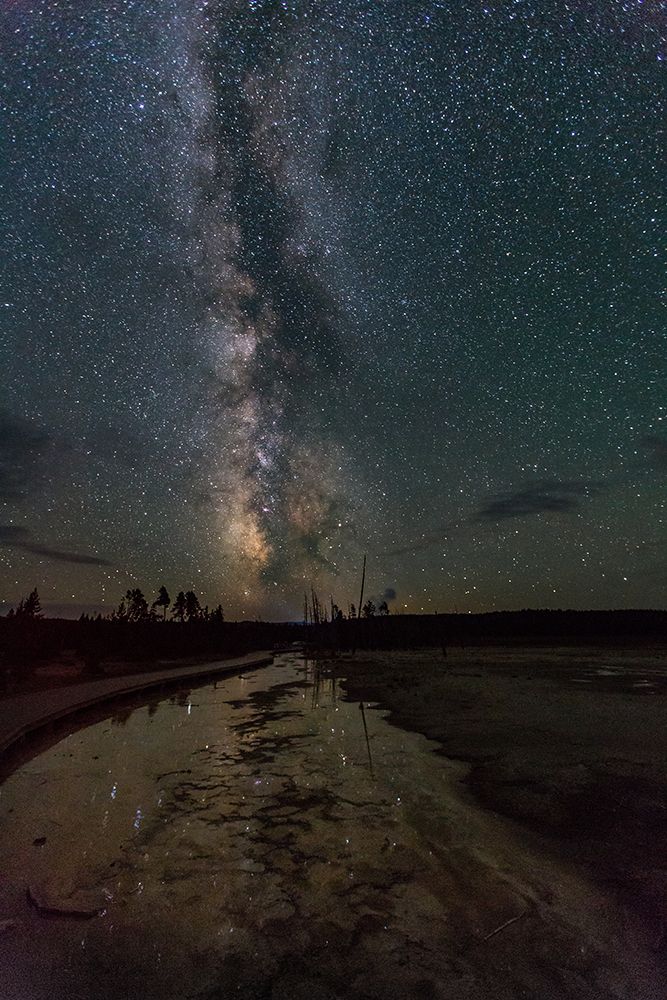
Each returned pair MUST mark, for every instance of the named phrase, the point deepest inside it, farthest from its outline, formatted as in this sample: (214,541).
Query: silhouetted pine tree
(137,605)
(30,606)
(179,608)
(163,600)
(193,610)
(120,614)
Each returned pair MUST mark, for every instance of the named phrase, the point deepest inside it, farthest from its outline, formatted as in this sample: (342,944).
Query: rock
(39,841)
(248,865)
(68,901)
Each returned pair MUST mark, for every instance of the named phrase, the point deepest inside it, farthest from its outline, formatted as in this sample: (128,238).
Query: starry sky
(284,283)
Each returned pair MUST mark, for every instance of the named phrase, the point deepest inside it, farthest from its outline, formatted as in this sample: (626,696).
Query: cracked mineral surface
(243,845)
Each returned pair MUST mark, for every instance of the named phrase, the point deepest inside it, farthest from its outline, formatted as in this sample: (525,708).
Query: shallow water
(217,824)
(245,837)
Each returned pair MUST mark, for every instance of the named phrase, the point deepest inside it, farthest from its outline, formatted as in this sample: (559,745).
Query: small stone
(248,865)
(38,841)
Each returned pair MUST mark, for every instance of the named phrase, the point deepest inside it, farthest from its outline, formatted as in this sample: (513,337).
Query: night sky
(284,283)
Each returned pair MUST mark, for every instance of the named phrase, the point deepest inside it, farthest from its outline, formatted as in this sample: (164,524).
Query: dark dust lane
(234,841)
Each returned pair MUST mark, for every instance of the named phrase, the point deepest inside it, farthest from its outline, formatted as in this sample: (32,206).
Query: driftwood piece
(502,927)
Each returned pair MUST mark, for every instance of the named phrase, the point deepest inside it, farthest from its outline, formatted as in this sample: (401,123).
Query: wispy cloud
(426,541)
(548,496)
(22,444)
(14,536)
(656,447)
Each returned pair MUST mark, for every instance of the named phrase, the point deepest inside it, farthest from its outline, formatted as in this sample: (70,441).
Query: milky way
(287,283)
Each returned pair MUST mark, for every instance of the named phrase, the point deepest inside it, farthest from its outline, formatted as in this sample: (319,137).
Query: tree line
(134,607)
(186,608)
(316,612)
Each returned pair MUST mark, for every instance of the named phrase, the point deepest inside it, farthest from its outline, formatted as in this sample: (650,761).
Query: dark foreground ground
(569,743)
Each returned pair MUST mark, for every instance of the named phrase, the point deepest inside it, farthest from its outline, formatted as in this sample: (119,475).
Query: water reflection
(235,840)
(251,791)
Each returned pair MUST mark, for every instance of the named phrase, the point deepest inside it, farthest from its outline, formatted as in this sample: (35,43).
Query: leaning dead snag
(361,598)
(363,581)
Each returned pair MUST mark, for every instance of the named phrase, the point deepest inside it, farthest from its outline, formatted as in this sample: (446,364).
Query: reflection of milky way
(288,282)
